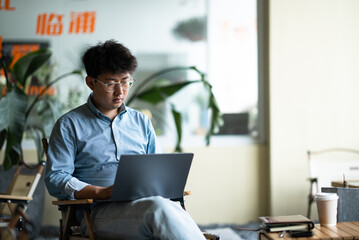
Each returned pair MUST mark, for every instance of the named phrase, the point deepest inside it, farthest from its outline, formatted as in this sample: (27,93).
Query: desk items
(287,223)
(327,205)
(332,164)
(343,230)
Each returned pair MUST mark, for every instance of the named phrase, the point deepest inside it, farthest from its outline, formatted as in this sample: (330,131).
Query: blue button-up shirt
(85,147)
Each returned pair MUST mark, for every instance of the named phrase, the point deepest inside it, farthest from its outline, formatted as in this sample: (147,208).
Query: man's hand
(94,192)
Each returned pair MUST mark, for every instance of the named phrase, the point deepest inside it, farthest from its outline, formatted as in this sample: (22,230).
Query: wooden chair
(13,203)
(69,226)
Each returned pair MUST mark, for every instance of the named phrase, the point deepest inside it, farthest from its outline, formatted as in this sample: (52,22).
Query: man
(87,142)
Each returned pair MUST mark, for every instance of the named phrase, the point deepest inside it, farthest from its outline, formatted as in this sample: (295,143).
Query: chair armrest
(210,236)
(4,197)
(89,201)
(73,202)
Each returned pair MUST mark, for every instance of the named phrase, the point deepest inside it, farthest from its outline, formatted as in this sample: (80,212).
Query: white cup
(327,204)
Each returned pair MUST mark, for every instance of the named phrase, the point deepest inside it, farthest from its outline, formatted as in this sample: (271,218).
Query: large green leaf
(8,84)
(49,111)
(3,135)
(159,93)
(37,135)
(29,63)
(12,151)
(178,122)
(216,117)
(12,108)
(12,119)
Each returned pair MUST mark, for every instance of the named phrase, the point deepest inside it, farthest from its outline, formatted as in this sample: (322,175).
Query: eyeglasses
(111,87)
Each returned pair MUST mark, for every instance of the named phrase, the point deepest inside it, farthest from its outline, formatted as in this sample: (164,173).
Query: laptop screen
(146,175)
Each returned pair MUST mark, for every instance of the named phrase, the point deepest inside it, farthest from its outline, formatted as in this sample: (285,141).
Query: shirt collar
(122,108)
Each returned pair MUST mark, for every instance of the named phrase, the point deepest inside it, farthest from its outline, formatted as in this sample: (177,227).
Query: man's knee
(159,207)
(160,203)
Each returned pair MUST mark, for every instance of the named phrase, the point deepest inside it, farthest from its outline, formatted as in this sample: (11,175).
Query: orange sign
(82,22)
(35,90)
(5,5)
(51,24)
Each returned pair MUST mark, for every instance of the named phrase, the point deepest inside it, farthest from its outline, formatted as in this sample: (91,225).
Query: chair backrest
(45,145)
(23,183)
(333,164)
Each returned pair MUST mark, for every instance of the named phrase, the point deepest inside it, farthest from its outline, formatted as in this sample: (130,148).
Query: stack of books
(295,224)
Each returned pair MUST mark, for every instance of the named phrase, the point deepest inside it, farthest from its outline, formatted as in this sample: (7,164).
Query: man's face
(107,95)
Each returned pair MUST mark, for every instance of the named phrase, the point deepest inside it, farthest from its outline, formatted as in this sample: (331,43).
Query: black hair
(109,57)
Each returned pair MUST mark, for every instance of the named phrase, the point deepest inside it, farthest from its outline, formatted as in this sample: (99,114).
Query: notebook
(145,175)
(286,223)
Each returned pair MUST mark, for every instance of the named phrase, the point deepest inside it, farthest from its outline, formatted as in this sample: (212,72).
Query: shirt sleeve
(60,163)
(74,185)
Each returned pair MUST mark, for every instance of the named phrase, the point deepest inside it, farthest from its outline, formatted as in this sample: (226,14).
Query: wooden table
(343,230)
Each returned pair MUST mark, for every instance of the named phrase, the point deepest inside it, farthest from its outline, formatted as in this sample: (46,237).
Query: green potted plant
(17,108)
(22,112)
(157,89)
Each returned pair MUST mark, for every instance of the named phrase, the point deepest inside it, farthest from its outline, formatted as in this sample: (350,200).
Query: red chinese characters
(82,22)
(51,24)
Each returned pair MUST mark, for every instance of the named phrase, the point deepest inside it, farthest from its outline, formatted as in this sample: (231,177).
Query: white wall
(227,184)
(314,59)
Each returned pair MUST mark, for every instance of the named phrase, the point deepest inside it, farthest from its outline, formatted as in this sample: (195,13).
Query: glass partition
(218,37)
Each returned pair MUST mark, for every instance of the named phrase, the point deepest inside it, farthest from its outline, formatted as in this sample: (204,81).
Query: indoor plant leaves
(15,107)
(158,92)
(29,64)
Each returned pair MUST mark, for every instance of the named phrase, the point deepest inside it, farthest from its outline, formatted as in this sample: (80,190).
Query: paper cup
(327,204)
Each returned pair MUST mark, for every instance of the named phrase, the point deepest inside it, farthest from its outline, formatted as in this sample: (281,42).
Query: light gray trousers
(146,218)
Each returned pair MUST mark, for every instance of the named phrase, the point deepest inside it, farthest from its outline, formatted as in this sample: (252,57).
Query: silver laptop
(145,175)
